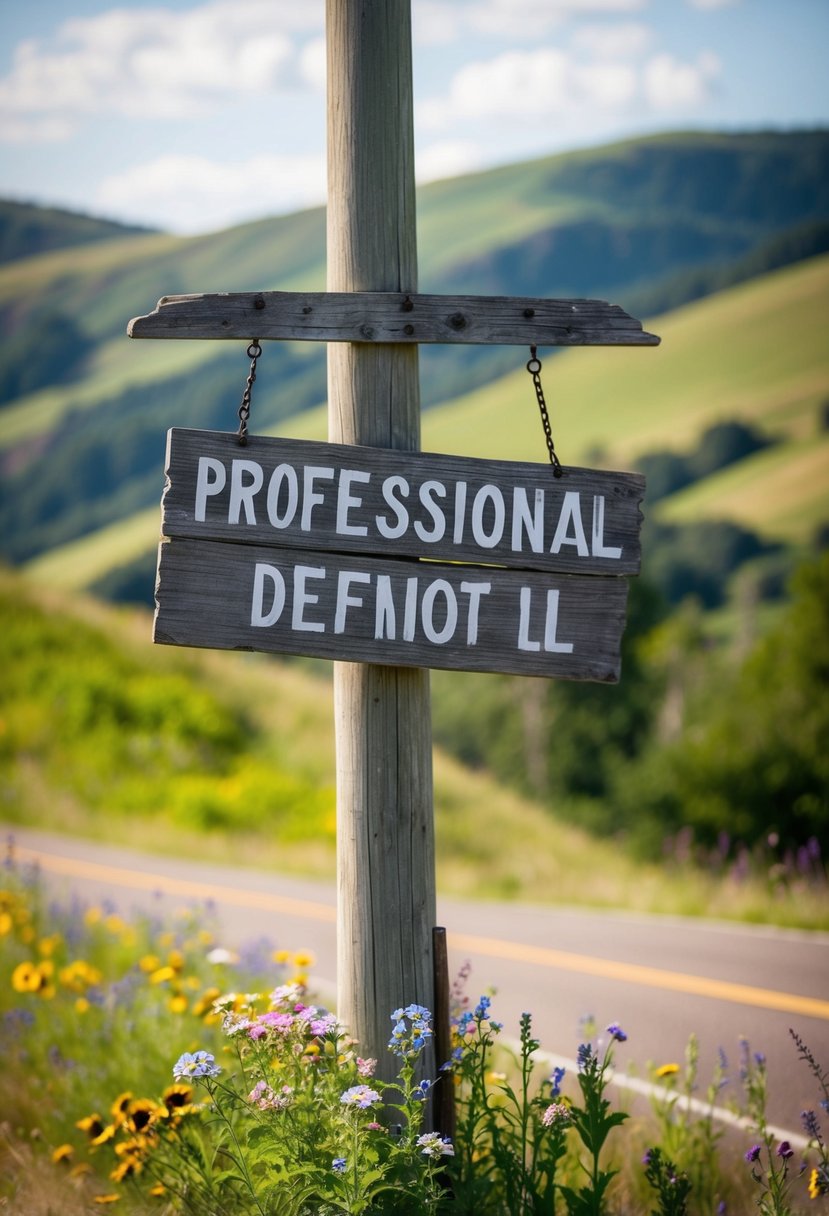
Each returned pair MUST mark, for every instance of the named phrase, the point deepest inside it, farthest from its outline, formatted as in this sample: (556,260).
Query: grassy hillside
(720,359)
(231,756)
(26,230)
(85,411)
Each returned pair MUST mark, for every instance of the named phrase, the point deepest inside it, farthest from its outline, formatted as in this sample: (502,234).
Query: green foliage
(698,559)
(119,738)
(755,758)
(720,445)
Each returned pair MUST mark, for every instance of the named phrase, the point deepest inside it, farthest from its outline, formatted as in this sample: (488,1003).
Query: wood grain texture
(486,511)
(394,316)
(385,817)
(334,606)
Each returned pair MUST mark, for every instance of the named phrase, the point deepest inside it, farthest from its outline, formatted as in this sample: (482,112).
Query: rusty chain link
(534,368)
(253,353)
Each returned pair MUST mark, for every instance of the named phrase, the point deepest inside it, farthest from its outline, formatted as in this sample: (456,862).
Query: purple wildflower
(615,1031)
(360,1096)
(753,1153)
(785,1150)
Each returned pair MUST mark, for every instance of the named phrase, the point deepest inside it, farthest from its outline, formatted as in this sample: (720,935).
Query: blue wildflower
(584,1055)
(408,1042)
(811,1125)
(615,1031)
(555,1081)
(360,1096)
(197,1064)
(421,1091)
(338,1165)
(482,1008)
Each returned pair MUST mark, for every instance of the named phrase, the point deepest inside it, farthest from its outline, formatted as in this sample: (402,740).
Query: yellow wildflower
(667,1070)
(78,1171)
(175,959)
(48,945)
(92,915)
(142,1113)
(34,977)
(107,1134)
(204,1004)
(6,923)
(93,1125)
(62,1153)
(106,1199)
(178,1003)
(81,1005)
(25,977)
(149,962)
(281,956)
(158,1190)
(118,1110)
(304,958)
(162,975)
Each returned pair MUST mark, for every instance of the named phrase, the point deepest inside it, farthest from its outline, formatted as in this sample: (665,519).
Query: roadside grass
(223,756)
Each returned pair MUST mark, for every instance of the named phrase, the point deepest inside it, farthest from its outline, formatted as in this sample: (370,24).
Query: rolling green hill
(26,230)
(720,359)
(82,425)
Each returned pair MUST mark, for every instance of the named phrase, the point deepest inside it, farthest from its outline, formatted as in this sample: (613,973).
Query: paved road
(661,978)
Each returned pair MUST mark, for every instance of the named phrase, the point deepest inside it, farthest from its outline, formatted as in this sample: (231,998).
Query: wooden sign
(392,317)
(370,610)
(307,548)
(299,494)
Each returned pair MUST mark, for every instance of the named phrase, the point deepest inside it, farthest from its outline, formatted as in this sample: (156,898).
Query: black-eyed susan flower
(118,1110)
(127,1168)
(92,1125)
(177,1098)
(666,1070)
(34,977)
(107,1134)
(142,1113)
(103,1199)
(158,1191)
(63,1153)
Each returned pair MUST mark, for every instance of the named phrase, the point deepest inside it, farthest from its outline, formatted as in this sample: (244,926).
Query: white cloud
(671,84)
(449,158)
(538,83)
(710,5)
(439,22)
(153,62)
(312,64)
(191,194)
(625,40)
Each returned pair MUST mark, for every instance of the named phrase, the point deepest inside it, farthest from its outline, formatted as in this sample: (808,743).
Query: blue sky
(193,116)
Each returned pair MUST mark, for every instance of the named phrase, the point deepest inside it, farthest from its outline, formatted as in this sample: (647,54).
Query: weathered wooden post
(304,548)
(385,833)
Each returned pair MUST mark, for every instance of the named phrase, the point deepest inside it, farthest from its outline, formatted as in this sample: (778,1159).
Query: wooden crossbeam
(392,317)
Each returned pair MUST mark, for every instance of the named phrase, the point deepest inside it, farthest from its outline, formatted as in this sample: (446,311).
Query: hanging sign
(309,548)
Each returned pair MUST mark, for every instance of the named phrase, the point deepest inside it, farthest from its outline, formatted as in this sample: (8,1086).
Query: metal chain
(253,353)
(534,368)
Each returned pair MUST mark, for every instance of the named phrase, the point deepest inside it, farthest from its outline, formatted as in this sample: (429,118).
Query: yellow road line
(120,877)
(648,977)
(539,956)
